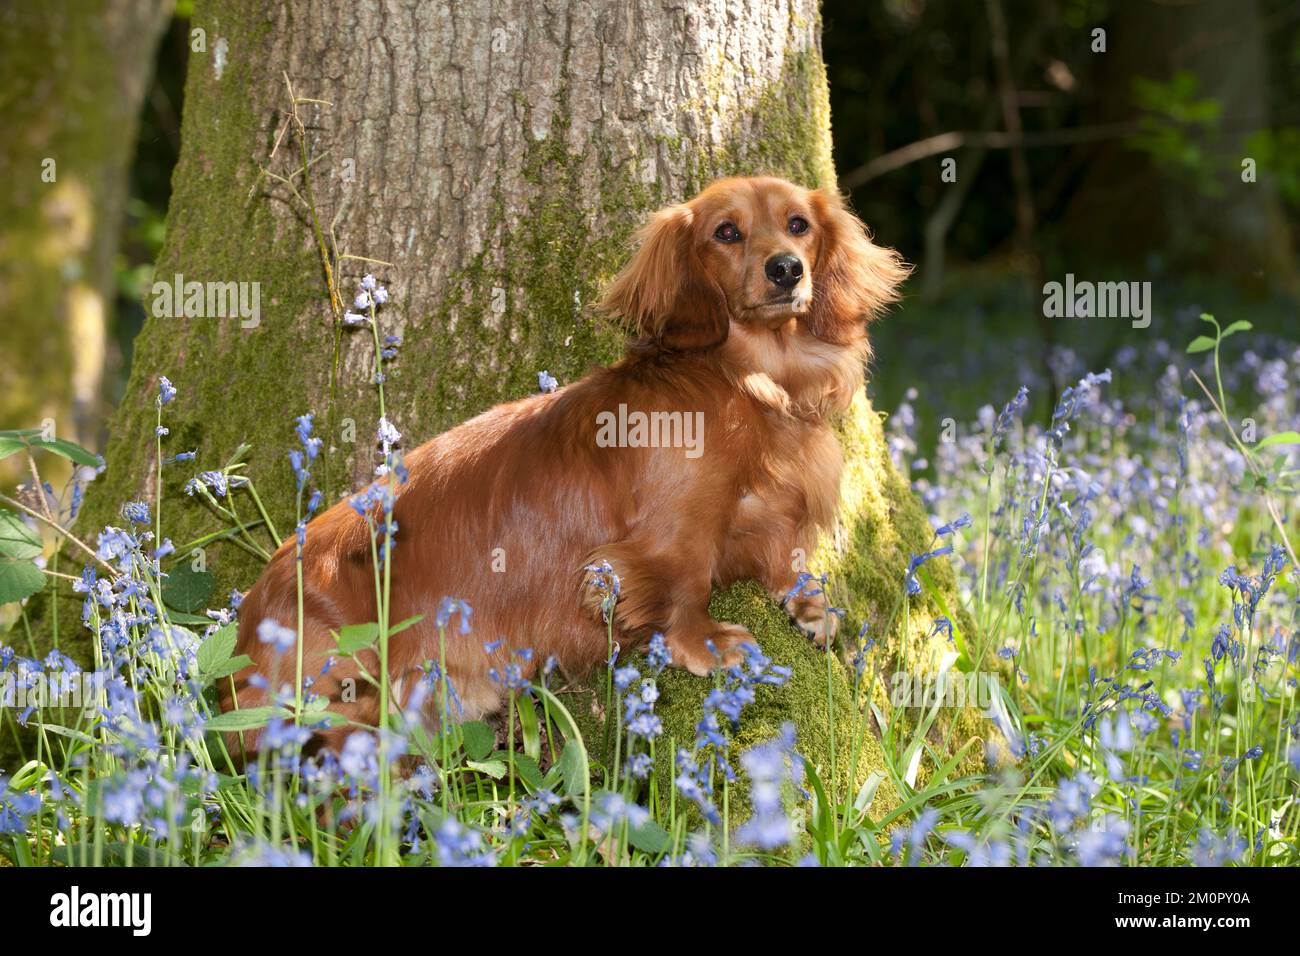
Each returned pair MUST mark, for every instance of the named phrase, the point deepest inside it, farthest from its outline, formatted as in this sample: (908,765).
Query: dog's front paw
(813,615)
(723,646)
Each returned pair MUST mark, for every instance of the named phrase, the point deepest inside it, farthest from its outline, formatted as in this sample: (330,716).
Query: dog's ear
(854,279)
(665,292)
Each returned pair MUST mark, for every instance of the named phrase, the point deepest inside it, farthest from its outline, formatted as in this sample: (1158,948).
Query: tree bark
(73,76)
(502,154)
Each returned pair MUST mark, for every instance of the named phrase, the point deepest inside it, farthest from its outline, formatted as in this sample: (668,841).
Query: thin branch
(992,139)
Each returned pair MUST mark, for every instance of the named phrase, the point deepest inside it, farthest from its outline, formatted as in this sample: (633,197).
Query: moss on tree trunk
(73,77)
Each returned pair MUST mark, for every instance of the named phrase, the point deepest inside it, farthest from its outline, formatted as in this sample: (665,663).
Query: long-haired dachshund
(704,456)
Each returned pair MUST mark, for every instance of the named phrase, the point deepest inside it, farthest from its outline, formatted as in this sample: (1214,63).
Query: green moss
(217,232)
(819,717)
(63,99)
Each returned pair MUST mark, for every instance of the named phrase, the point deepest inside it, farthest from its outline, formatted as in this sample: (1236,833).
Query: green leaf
(821,823)
(649,837)
(529,725)
(180,617)
(250,719)
(571,763)
(1200,344)
(19,580)
(218,648)
(1281,438)
(1206,317)
(117,854)
(574,762)
(14,440)
(1239,326)
(68,450)
(352,638)
(403,625)
(10,446)
(16,539)
(526,767)
(496,769)
(479,739)
(226,668)
(186,589)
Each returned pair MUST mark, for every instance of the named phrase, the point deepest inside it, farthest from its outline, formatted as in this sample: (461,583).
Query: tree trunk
(499,157)
(73,76)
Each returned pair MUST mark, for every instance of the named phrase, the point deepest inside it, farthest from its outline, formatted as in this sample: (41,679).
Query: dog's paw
(812,614)
(722,647)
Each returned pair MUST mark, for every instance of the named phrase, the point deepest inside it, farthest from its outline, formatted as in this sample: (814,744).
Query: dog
(748,309)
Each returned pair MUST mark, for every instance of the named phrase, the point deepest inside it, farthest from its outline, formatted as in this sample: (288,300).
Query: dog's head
(758,251)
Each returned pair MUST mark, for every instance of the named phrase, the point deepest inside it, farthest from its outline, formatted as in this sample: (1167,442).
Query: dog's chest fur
(801,383)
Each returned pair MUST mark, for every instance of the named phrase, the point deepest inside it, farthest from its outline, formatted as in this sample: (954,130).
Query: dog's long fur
(768,371)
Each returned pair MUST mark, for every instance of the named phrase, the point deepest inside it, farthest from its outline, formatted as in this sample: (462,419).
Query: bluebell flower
(136,512)
(905,843)
(449,606)
(659,655)
(272,632)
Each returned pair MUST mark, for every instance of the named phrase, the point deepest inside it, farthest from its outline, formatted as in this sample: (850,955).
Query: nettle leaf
(1281,438)
(356,637)
(250,719)
(19,580)
(218,648)
(479,739)
(226,668)
(16,539)
(187,590)
(1200,344)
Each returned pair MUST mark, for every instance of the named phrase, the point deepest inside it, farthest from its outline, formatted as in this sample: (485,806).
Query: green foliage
(1176,127)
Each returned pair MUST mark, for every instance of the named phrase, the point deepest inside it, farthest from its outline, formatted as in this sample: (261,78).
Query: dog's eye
(798,225)
(727,232)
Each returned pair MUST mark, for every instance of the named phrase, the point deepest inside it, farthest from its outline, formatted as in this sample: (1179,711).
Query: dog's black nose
(785,271)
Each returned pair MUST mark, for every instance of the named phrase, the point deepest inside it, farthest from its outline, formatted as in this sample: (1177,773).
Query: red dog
(704,456)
